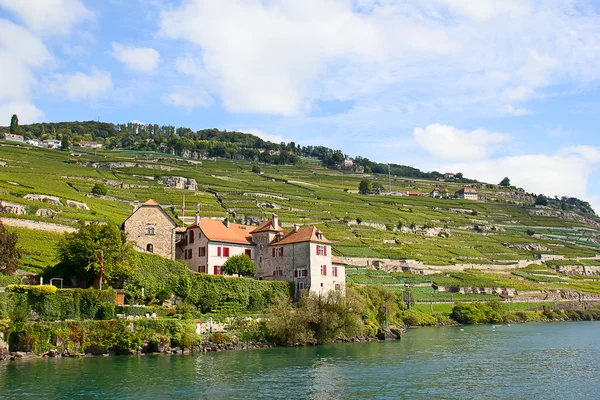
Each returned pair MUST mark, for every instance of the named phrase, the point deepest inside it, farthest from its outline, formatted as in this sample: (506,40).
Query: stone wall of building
(139,230)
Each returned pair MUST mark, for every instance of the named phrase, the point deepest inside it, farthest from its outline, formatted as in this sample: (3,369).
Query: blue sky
(490,88)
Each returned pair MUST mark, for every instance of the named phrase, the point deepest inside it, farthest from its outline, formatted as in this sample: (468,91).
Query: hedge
(215,293)
(161,277)
(63,304)
(99,337)
(36,290)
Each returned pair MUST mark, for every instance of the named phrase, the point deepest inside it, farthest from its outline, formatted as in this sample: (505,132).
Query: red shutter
(274,273)
(325,250)
(218,251)
(273,251)
(324,269)
(226,251)
(317,249)
(295,273)
(216,270)
(282,252)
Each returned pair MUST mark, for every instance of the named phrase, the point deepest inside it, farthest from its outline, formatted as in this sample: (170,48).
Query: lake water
(539,361)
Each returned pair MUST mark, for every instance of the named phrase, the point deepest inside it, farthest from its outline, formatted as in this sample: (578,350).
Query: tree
(100,188)
(505,182)
(14,124)
(80,251)
(241,265)
(541,200)
(365,186)
(65,144)
(10,254)
(256,169)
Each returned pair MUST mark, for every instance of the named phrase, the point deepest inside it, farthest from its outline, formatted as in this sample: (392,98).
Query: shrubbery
(316,319)
(36,290)
(209,293)
(56,304)
(101,336)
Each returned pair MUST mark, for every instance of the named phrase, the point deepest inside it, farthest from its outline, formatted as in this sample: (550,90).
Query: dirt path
(42,226)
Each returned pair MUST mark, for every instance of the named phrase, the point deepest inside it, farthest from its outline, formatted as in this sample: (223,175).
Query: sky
(489,88)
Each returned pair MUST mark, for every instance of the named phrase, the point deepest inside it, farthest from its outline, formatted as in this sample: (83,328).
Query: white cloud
(265,58)
(589,153)
(565,173)
(517,112)
(81,86)
(139,59)
(27,112)
(278,57)
(48,17)
(536,173)
(188,98)
(448,143)
(21,56)
(264,135)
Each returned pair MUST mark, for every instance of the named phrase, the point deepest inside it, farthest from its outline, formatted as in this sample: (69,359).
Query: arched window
(191,236)
(149,248)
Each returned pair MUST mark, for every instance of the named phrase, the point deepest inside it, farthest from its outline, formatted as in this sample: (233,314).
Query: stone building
(151,229)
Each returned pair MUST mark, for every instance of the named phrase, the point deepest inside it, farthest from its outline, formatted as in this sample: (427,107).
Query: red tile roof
(336,260)
(305,234)
(217,231)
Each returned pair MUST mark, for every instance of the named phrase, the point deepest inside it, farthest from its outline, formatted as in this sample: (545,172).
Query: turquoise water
(559,361)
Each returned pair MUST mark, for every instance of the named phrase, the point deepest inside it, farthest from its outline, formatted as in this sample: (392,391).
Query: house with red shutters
(301,255)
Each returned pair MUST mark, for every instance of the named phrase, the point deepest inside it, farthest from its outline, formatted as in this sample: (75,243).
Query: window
(338,287)
(202,269)
(324,270)
(149,248)
(278,272)
(278,252)
(188,254)
(248,252)
(225,251)
(334,270)
(202,251)
(300,285)
(191,236)
(321,250)
(301,273)
(150,230)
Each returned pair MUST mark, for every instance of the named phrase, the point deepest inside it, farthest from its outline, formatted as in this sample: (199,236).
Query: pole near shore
(101,267)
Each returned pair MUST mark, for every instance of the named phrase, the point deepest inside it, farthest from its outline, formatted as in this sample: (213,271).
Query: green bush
(61,305)
(219,338)
(100,336)
(36,290)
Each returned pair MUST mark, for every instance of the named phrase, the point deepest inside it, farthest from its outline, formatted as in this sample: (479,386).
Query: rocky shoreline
(151,348)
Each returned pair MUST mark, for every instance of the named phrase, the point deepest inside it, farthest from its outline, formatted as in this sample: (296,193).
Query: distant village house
(14,138)
(467,193)
(90,144)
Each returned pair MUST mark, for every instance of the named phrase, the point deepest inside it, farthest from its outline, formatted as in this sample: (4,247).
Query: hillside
(503,228)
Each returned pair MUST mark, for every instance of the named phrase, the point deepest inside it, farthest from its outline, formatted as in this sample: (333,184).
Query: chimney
(226,222)
(296,227)
(197,220)
(275,221)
